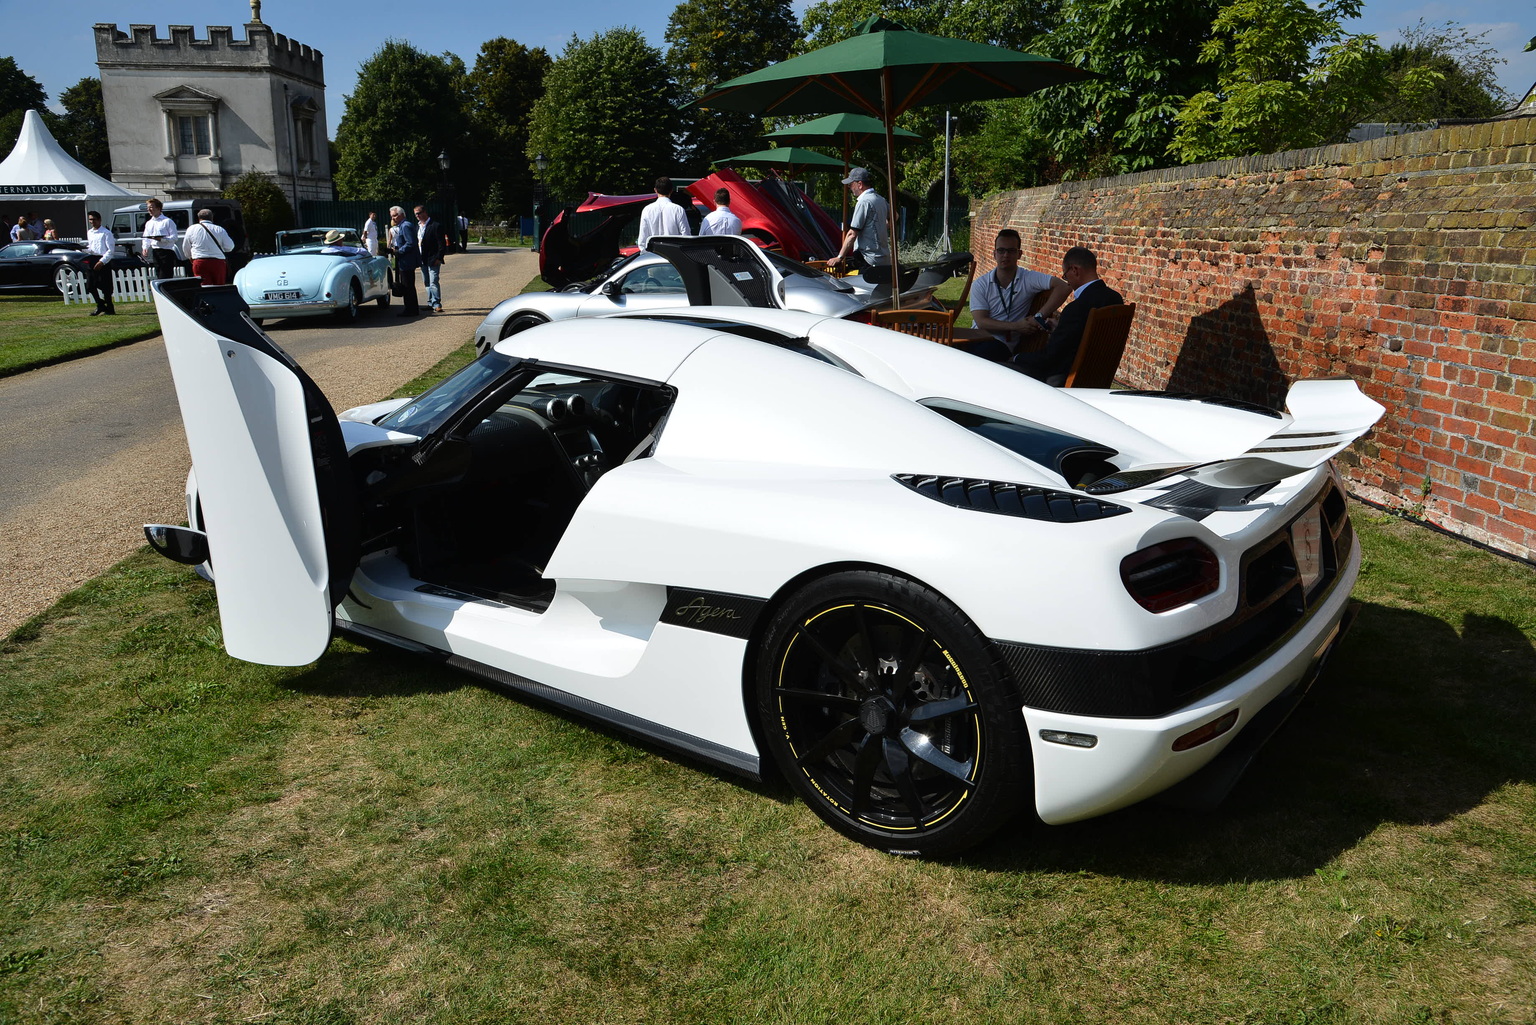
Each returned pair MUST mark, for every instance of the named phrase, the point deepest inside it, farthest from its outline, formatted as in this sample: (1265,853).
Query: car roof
(630,347)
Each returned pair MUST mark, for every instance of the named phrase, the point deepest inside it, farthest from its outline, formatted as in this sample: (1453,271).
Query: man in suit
(1080,269)
(402,243)
(434,245)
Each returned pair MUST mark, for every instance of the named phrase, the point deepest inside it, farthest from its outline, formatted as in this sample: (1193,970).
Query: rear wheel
(350,311)
(888,713)
(66,277)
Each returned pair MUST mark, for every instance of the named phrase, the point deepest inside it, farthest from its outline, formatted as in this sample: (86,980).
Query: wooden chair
(934,325)
(956,305)
(1035,342)
(1098,354)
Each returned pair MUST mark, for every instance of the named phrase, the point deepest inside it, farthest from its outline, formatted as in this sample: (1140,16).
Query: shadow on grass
(1411,723)
(379,670)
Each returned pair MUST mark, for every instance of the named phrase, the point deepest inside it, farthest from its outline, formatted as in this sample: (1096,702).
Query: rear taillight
(1170,574)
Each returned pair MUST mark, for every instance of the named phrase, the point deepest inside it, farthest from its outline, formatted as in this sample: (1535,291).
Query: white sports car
(928,590)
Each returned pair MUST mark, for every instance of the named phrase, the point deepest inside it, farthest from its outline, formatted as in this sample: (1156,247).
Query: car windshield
(432,408)
(313,240)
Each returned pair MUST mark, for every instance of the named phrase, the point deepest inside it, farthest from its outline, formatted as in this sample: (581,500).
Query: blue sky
(60,48)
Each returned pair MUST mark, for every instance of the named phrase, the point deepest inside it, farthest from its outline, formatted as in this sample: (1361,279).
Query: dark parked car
(44,266)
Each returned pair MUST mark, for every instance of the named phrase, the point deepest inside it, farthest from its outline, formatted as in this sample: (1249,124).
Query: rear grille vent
(1027,501)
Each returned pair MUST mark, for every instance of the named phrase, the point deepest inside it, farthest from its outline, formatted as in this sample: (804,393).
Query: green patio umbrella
(791,158)
(850,131)
(884,70)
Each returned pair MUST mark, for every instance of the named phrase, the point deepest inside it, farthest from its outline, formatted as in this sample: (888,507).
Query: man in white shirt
(866,241)
(159,242)
(206,244)
(721,221)
(371,233)
(1002,297)
(663,217)
(101,243)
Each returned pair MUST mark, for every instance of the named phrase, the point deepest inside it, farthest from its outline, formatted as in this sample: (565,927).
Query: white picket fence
(128,286)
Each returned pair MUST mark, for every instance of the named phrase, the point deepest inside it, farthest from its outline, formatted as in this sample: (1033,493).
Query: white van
(128,225)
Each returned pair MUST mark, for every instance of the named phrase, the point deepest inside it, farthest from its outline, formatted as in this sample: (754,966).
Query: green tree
(83,129)
(407,108)
(19,93)
(508,78)
(265,208)
(608,117)
(1147,57)
(712,41)
(1438,72)
(1288,76)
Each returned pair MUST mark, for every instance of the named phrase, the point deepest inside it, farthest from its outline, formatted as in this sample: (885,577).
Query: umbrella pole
(847,154)
(890,180)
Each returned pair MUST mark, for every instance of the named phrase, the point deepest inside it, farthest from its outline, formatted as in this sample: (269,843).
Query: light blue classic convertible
(315,270)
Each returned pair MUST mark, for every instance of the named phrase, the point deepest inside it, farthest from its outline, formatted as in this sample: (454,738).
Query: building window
(193,135)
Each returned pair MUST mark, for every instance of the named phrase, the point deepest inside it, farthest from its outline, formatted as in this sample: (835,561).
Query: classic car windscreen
(1078,460)
(433,407)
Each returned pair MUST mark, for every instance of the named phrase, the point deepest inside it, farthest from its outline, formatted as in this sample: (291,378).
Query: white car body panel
(767,469)
(269,550)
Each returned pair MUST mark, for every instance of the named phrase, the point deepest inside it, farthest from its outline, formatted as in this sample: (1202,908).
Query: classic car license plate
(278,296)
(1307,543)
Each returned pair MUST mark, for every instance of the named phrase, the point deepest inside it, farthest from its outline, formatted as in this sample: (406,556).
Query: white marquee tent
(39,176)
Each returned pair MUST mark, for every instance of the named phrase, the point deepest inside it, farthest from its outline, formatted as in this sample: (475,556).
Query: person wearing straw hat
(340,243)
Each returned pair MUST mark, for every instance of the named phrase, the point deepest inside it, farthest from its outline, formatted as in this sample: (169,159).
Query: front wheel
(517,323)
(889,714)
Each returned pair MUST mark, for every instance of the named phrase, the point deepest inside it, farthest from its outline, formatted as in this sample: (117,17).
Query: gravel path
(71,532)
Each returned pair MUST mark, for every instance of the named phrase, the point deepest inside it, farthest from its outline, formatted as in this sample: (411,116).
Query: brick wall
(1408,263)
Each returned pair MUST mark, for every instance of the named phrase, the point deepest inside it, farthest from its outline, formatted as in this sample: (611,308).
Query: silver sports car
(647,281)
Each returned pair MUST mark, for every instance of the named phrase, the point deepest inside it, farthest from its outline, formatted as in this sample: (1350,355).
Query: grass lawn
(186,838)
(36,330)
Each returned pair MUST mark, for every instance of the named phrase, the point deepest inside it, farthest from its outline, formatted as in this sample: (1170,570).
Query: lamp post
(540,165)
(447,188)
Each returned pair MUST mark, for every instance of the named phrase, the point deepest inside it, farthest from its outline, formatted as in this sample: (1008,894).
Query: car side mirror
(179,544)
(610,288)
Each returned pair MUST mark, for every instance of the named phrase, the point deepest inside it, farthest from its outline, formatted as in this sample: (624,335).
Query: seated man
(341,244)
(1002,297)
(1080,269)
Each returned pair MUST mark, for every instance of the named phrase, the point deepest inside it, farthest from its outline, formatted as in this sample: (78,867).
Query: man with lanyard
(1080,270)
(402,242)
(159,244)
(868,231)
(1002,297)
(663,217)
(101,243)
(721,221)
(371,233)
(207,244)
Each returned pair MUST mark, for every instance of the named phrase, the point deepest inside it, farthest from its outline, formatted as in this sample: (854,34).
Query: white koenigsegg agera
(929,591)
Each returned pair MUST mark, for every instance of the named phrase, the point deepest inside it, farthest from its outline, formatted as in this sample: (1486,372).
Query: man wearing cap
(206,244)
(866,240)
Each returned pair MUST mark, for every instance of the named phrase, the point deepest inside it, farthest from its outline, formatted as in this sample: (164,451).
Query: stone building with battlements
(188,116)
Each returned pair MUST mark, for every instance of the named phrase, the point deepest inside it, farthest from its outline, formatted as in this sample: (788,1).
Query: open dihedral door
(279,505)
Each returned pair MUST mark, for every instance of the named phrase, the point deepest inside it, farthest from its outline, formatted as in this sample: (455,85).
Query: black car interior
(479,508)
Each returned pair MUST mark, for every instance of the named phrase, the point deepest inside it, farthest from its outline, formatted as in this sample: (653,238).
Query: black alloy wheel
(891,716)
